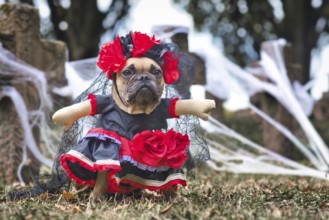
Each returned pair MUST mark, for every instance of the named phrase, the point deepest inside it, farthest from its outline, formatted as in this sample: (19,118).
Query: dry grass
(209,195)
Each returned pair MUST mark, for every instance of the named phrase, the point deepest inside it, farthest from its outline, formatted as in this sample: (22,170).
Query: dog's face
(140,84)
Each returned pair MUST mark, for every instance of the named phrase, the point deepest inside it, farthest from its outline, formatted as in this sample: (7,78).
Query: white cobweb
(14,70)
(252,158)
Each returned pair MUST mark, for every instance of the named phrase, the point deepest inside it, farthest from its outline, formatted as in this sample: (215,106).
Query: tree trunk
(299,28)
(84,27)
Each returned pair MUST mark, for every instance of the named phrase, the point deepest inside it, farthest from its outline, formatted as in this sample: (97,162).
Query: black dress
(136,149)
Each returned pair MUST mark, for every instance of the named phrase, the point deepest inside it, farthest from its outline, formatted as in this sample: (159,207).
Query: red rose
(170,68)
(142,43)
(177,147)
(111,58)
(149,148)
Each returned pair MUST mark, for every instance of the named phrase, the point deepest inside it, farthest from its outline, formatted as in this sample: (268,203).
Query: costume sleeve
(99,103)
(168,107)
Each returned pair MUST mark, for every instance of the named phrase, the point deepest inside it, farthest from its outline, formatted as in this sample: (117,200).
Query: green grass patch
(209,195)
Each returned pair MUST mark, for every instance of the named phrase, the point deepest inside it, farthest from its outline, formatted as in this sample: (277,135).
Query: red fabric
(172,152)
(106,132)
(92,98)
(153,148)
(160,149)
(64,159)
(149,148)
(170,68)
(112,167)
(177,149)
(142,43)
(111,58)
(113,185)
(172,108)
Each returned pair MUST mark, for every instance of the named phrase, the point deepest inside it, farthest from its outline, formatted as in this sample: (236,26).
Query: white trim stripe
(85,159)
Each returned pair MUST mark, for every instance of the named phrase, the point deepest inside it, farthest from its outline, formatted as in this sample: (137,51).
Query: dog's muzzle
(143,91)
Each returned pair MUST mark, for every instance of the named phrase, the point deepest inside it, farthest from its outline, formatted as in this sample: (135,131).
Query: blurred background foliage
(240,26)
(80,24)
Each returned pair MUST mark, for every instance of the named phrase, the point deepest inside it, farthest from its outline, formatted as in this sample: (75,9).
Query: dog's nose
(143,78)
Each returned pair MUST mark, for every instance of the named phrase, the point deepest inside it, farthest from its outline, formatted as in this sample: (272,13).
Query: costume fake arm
(197,107)
(68,115)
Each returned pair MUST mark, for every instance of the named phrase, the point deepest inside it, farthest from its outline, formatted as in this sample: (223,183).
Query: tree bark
(85,24)
(84,27)
(299,28)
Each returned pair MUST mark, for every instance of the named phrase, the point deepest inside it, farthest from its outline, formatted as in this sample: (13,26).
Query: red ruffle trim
(105,132)
(92,98)
(113,185)
(172,108)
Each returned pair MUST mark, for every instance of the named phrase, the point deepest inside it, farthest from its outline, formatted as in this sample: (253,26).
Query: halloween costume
(132,148)
(137,150)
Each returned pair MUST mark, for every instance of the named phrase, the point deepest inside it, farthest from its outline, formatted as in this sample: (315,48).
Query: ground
(209,195)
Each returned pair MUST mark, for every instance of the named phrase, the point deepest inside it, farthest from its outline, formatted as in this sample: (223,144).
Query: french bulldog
(139,86)
(136,89)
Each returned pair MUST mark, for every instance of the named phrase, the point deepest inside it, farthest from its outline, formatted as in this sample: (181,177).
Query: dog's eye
(157,72)
(127,73)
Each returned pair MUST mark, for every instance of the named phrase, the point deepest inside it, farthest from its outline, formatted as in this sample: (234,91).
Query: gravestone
(194,74)
(20,33)
(320,117)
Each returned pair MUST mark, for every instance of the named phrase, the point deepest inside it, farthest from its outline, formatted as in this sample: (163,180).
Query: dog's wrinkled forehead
(142,64)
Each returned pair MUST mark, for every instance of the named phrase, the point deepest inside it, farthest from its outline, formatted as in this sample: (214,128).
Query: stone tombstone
(20,34)
(194,74)
(320,117)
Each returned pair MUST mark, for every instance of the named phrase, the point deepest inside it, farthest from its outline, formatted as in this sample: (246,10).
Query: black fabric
(128,168)
(112,118)
(94,150)
(81,172)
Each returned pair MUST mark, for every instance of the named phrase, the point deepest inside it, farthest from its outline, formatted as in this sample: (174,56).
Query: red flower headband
(112,58)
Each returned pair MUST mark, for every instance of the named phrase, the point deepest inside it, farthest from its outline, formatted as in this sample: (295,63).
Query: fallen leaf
(75,209)
(43,196)
(83,204)
(308,189)
(68,196)
(325,205)
(166,209)
(292,184)
(267,191)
